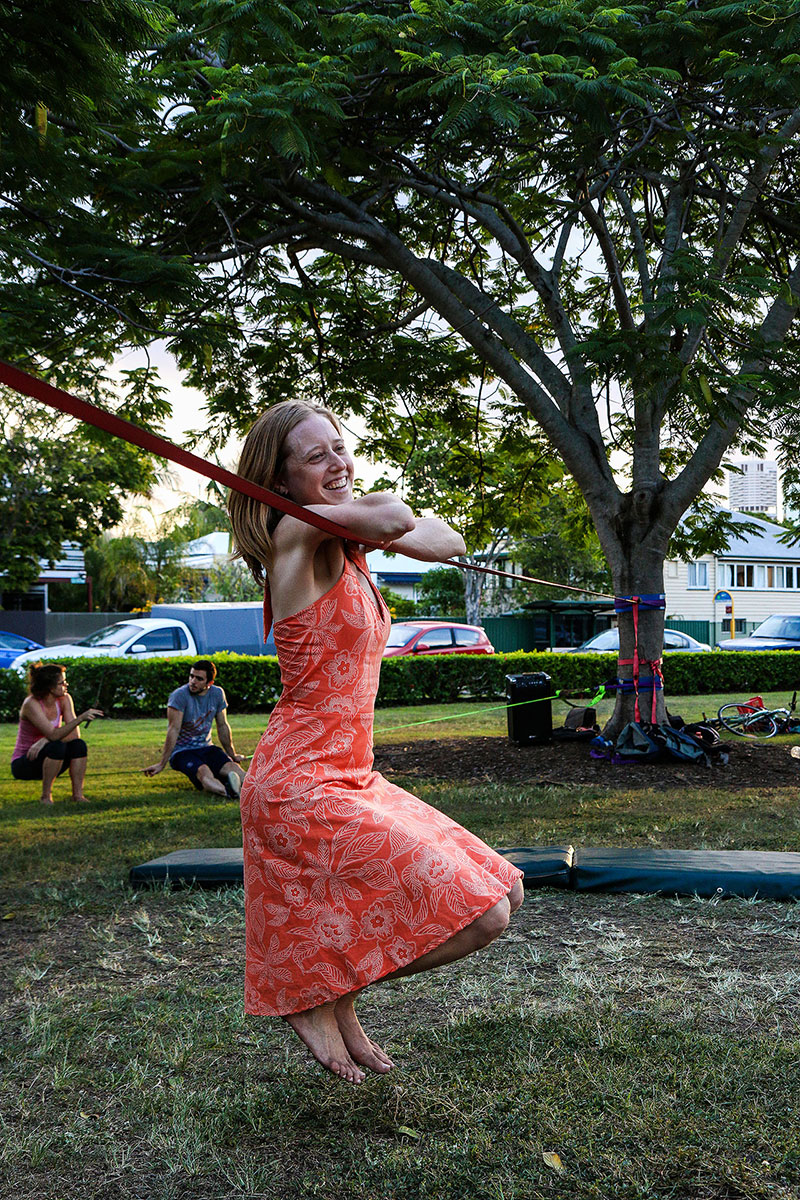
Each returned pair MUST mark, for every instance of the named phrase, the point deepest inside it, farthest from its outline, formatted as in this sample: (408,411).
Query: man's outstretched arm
(174,723)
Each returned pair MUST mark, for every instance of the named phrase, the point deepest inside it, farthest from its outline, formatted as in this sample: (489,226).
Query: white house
(211,550)
(397,572)
(760,573)
(69,568)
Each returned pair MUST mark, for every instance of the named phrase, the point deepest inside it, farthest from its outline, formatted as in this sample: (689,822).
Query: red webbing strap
(564,587)
(655,667)
(29,385)
(37,389)
(634,662)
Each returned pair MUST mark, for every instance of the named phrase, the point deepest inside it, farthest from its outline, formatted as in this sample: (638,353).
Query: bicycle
(751,720)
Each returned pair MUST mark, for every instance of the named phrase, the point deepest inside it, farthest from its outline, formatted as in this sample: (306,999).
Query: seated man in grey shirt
(188,748)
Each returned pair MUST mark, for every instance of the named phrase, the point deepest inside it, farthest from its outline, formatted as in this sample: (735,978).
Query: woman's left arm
(67,715)
(431,540)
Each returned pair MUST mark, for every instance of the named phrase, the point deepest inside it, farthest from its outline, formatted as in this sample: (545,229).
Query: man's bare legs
(233,775)
(333,1032)
(209,782)
(361,1048)
(318,1028)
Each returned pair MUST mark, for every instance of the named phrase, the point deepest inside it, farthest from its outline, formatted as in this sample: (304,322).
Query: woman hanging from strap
(349,880)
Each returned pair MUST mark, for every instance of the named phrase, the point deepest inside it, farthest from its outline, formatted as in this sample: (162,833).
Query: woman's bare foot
(362,1048)
(317,1027)
(80,799)
(45,799)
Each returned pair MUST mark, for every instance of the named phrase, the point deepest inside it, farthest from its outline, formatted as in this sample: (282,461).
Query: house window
(698,575)
(751,575)
(743,574)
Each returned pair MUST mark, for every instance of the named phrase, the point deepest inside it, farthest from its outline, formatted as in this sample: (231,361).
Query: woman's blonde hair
(262,460)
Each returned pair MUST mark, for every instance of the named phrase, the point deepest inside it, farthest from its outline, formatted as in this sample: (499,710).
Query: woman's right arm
(376,517)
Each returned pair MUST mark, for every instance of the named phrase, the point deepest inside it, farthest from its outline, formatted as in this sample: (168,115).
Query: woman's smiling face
(317,468)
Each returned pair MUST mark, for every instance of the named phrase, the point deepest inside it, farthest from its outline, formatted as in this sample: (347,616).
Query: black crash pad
(543,866)
(206,868)
(767,875)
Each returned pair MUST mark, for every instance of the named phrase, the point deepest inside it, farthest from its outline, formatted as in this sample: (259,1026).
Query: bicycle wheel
(746,721)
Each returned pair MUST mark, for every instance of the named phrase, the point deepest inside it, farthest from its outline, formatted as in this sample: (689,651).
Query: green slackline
(477,712)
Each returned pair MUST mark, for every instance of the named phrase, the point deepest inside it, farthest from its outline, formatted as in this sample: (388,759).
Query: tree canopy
(595,205)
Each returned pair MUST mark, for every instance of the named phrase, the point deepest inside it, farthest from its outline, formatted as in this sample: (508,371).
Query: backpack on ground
(683,745)
(580,724)
(636,743)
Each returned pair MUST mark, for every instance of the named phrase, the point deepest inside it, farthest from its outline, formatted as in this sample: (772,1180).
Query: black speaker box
(529,723)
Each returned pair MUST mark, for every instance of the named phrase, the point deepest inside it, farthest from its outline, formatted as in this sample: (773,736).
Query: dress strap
(357,556)
(267,609)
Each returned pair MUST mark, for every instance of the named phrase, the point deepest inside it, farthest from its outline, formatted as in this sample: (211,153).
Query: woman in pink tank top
(47,737)
(348,878)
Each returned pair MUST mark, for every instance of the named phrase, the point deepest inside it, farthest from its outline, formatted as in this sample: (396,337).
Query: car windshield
(401,635)
(12,641)
(110,635)
(779,627)
(608,640)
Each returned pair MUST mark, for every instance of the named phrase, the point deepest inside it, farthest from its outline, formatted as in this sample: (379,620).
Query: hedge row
(132,688)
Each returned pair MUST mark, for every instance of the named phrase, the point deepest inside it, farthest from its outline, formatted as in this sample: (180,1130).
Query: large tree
(594,204)
(599,202)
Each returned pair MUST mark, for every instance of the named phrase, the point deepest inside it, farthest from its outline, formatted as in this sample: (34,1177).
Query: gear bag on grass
(683,745)
(580,724)
(636,743)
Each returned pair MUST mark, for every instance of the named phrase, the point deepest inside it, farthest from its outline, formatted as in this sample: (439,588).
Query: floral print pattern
(347,877)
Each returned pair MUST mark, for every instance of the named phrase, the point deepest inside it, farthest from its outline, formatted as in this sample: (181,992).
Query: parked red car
(436,637)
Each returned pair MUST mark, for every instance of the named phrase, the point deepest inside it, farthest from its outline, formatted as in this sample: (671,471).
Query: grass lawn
(606,1046)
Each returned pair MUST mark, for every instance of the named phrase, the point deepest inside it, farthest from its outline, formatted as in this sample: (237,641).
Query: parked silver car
(608,642)
(781,631)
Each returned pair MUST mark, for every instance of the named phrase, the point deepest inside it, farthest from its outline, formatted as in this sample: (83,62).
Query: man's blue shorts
(188,762)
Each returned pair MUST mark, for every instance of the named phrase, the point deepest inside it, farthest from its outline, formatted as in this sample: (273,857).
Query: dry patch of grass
(652,1044)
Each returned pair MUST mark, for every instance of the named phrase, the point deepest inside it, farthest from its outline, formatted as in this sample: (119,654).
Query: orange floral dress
(346,876)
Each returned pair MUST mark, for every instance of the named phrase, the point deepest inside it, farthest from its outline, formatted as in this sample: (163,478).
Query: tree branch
(721,434)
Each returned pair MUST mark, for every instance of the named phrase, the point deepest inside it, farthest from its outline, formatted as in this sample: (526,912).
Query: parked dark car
(12,645)
(781,631)
(436,637)
(608,641)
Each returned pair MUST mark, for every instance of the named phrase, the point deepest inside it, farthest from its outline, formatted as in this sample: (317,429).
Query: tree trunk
(635,543)
(473,590)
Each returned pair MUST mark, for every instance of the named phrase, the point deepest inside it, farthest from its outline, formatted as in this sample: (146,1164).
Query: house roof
(765,546)
(207,551)
(70,568)
(397,568)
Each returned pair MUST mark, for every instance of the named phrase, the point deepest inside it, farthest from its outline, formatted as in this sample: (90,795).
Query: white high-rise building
(754,486)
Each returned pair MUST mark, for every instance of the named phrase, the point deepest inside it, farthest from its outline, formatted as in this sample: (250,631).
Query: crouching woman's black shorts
(26,768)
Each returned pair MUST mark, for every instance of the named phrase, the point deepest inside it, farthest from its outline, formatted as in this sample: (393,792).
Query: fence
(56,628)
